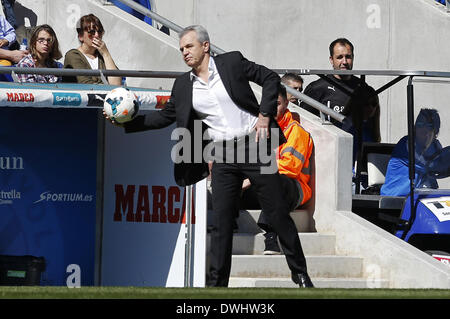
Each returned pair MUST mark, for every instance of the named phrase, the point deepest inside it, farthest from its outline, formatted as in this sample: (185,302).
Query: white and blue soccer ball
(121,105)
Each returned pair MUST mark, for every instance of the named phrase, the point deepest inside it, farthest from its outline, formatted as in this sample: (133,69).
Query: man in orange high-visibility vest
(293,166)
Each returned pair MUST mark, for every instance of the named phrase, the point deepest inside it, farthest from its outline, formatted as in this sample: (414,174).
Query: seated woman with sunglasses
(44,50)
(91,54)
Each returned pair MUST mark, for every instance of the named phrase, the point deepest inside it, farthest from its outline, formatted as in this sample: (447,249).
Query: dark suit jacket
(235,72)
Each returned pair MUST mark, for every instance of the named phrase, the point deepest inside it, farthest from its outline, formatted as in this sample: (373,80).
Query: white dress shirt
(225,120)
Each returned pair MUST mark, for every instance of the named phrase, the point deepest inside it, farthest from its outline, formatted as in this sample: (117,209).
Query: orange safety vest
(293,156)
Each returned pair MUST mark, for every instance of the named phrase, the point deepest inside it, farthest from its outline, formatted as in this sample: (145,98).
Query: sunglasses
(93,31)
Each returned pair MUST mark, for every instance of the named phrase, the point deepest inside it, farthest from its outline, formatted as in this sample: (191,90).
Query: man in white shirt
(217,95)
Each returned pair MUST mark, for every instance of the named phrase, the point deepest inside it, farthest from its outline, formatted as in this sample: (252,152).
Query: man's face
(296,85)
(282,105)
(425,134)
(192,49)
(342,58)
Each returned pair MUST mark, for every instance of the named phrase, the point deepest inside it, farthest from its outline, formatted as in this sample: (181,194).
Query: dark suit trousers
(226,184)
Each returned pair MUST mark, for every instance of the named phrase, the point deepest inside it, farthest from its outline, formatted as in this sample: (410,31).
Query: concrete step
(312,244)
(328,266)
(319,282)
(248,218)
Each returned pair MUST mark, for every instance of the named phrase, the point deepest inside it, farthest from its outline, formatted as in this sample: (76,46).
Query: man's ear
(206,46)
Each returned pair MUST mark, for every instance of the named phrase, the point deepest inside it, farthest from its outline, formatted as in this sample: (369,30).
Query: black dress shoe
(302,280)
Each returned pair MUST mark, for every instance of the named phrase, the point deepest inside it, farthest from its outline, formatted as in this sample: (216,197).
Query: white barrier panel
(143,240)
(27,96)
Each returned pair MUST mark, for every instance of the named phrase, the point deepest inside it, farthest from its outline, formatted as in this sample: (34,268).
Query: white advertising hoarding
(144,230)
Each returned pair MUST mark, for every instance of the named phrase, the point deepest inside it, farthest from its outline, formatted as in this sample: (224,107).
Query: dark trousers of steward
(291,195)
(229,169)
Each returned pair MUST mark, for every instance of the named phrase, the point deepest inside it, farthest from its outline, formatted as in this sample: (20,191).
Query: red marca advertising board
(143,228)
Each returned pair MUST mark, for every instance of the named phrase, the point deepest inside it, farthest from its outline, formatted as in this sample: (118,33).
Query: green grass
(216,293)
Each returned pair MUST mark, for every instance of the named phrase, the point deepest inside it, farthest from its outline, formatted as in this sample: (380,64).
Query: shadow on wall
(24,16)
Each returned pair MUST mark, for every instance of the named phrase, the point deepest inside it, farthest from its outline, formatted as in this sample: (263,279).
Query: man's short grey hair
(202,34)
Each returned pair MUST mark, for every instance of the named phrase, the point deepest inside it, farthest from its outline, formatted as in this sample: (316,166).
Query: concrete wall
(387,257)
(330,170)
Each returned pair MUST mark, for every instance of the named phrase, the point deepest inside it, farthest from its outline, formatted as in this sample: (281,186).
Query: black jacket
(235,72)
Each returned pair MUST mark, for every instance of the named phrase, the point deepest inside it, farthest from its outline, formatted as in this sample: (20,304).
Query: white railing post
(188,238)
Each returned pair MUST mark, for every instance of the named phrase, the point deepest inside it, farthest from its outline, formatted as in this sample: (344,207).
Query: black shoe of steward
(302,280)
(271,244)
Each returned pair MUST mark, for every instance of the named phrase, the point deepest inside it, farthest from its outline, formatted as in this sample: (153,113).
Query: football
(121,105)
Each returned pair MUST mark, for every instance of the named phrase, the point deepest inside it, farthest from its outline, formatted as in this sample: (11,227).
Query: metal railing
(324,74)
(144,74)
(74,72)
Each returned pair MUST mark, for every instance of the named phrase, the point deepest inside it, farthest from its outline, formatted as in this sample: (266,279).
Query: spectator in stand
(8,56)
(341,58)
(427,149)
(11,57)
(8,9)
(91,54)
(294,168)
(294,81)
(7,34)
(354,96)
(44,51)
(7,38)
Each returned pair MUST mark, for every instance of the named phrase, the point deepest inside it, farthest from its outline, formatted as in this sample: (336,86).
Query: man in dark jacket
(216,96)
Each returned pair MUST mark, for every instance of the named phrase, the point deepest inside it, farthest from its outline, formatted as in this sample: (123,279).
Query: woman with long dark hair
(44,51)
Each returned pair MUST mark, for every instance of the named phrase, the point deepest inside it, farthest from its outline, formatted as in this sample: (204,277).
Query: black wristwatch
(265,114)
